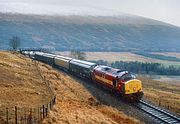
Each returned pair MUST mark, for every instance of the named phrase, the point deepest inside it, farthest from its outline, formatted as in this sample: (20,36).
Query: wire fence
(17,115)
(25,115)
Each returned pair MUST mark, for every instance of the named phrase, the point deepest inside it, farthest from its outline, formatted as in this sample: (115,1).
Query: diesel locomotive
(121,82)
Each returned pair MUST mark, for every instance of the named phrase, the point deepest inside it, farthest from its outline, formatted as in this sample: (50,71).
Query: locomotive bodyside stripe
(104,80)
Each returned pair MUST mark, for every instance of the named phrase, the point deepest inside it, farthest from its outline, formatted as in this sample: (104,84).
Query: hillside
(77,101)
(89,33)
(19,81)
(22,86)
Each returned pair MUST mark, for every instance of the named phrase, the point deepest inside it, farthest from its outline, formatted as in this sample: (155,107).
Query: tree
(14,42)
(78,54)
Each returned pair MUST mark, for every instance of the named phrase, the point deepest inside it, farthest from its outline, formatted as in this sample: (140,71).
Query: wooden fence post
(15,114)
(29,119)
(43,111)
(7,118)
(54,100)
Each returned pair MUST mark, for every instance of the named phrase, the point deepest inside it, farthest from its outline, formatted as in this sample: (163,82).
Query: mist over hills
(89,33)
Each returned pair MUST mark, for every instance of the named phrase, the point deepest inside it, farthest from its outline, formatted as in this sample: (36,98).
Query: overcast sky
(163,10)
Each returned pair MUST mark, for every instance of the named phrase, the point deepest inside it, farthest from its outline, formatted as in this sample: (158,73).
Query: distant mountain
(90,33)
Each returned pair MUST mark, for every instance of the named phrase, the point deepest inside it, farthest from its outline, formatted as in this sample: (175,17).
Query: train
(119,81)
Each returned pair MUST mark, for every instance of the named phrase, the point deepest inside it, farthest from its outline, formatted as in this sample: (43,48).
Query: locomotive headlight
(134,89)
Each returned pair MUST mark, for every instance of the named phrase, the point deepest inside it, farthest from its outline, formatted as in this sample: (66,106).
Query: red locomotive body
(120,81)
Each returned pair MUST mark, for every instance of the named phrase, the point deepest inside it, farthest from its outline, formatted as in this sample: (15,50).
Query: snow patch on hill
(38,9)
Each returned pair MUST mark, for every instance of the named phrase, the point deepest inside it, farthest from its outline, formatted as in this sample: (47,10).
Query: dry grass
(20,82)
(21,85)
(121,56)
(163,94)
(173,54)
(76,105)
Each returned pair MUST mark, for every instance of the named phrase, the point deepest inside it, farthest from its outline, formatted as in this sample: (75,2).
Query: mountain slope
(22,86)
(20,75)
(118,33)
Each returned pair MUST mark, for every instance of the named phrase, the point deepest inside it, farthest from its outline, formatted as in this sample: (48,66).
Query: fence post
(29,119)
(54,100)
(15,114)
(40,113)
(7,118)
(43,111)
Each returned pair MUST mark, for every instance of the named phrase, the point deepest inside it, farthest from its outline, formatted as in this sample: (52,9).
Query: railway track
(159,115)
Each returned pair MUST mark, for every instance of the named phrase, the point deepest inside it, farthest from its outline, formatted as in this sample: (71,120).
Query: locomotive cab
(132,88)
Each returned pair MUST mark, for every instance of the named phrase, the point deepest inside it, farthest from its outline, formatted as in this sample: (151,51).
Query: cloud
(27,8)
(164,10)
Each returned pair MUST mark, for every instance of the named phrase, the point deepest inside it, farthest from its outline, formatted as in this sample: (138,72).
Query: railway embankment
(25,96)
(22,83)
(80,102)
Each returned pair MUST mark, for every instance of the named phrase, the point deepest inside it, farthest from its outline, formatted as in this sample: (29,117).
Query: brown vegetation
(75,104)
(21,85)
(166,95)
(20,82)
(123,56)
(173,54)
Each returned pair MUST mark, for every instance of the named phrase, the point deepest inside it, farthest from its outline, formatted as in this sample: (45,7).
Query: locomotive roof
(113,71)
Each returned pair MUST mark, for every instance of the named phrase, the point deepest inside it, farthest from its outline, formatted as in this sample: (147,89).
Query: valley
(126,56)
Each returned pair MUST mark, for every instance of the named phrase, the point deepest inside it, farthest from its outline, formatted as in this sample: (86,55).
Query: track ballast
(158,114)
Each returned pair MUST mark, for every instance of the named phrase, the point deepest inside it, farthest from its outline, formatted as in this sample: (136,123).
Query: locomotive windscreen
(128,76)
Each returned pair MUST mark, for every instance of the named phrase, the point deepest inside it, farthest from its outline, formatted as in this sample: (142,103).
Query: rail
(160,115)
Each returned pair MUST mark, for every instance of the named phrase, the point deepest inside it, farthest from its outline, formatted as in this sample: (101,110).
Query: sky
(163,10)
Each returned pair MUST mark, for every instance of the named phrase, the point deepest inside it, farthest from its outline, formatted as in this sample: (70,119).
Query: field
(165,78)
(163,94)
(173,54)
(125,56)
